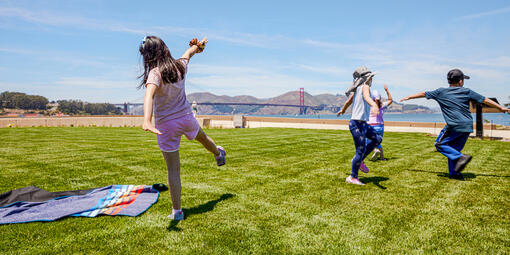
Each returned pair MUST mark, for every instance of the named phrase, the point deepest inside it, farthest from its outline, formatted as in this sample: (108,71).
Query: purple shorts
(173,129)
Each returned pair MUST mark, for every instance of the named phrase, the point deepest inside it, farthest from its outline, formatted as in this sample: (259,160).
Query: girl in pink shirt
(377,121)
(164,80)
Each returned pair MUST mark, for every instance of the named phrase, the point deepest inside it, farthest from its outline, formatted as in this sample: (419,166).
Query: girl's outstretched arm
(491,103)
(346,105)
(193,49)
(147,109)
(390,99)
(374,109)
(419,95)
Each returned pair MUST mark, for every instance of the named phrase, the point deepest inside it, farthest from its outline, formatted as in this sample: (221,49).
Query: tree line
(74,107)
(18,100)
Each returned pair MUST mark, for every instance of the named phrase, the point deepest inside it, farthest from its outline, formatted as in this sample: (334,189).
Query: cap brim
(466,77)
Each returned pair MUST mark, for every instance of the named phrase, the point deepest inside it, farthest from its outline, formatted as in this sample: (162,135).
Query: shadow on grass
(375,180)
(203,208)
(466,175)
(385,159)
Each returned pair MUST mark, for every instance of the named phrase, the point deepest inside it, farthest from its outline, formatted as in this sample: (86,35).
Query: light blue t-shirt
(360,108)
(454,103)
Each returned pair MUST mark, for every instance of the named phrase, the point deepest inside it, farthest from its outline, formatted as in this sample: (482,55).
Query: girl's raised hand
(151,128)
(204,41)
(385,87)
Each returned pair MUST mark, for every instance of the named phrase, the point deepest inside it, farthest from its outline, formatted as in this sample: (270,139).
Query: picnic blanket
(34,204)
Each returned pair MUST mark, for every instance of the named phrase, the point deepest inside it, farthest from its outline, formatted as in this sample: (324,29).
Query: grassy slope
(282,191)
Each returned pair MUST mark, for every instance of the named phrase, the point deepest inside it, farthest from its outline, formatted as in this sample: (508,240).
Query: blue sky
(88,50)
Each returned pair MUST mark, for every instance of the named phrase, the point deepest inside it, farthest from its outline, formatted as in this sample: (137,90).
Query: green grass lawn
(282,191)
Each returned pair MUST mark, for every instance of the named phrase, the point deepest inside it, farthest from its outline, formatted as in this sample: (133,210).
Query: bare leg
(173,166)
(207,142)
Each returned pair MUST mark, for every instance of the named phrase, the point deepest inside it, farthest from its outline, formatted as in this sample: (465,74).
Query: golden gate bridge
(303,109)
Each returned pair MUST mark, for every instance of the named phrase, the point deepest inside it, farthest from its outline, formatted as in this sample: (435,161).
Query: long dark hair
(155,54)
(379,103)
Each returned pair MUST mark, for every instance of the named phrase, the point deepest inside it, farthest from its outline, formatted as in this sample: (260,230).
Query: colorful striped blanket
(34,204)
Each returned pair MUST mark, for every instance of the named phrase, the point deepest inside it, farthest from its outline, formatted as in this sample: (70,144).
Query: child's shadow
(203,208)
(385,159)
(375,180)
(467,176)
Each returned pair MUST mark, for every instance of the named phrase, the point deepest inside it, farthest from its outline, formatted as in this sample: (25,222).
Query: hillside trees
(17,100)
(74,107)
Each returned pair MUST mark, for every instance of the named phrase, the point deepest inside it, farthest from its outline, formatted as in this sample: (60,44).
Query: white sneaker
(353,180)
(176,216)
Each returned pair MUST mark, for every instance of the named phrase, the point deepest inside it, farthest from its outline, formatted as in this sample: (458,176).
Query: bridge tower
(301,101)
(125,108)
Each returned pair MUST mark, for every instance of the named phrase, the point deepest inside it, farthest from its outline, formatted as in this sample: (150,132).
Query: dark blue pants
(450,144)
(365,140)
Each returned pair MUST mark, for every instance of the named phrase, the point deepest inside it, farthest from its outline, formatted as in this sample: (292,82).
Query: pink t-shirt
(378,120)
(169,99)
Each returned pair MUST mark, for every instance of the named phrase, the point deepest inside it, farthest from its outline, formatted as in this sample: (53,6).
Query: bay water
(495,118)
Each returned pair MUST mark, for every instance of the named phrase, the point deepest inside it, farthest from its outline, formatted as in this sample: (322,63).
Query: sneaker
(458,176)
(376,155)
(363,167)
(220,160)
(462,162)
(177,216)
(353,180)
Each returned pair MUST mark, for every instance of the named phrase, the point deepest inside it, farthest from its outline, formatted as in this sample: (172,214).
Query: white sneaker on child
(353,180)
(179,215)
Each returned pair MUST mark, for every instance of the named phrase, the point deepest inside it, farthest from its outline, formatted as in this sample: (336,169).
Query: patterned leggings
(365,140)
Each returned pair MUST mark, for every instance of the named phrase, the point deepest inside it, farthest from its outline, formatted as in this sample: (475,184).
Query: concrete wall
(100,121)
(389,126)
(105,121)
(214,121)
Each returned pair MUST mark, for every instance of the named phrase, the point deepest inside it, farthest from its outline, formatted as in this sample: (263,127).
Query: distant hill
(332,103)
